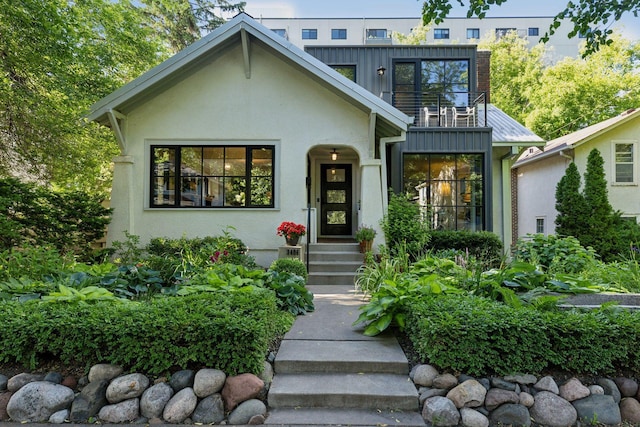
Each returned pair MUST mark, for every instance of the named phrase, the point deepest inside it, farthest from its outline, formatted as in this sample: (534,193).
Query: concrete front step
(336,256)
(343,417)
(329,278)
(369,391)
(302,356)
(334,266)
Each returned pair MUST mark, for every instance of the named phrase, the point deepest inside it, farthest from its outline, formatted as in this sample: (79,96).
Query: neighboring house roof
(390,121)
(507,130)
(574,139)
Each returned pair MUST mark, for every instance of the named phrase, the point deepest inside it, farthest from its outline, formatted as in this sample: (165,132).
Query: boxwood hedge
(230,331)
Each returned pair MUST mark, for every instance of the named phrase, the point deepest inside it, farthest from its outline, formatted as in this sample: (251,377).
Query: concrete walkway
(328,373)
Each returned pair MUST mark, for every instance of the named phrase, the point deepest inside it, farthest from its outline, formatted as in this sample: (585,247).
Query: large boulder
(246,411)
(18,381)
(240,388)
(511,414)
(89,401)
(440,411)
(600,407)
(574,390)
(181,406)
(424,375)
(472,418)
(104,371)
(551,410)
(630,410)
(127,387)
(469,394)
(210,410)
(154,399)
(498,396)
(208,382)
(35,402)
(120,412)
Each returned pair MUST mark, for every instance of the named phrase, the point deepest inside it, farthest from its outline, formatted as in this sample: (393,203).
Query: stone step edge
(346,417)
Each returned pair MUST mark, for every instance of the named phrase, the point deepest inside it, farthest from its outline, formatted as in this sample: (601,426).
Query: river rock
(246,411)
(610,388)
(59,417)
(127,387)
(120,412)
(498,382)
(627,386)
(524,379)
(424,375)
(573,390)
(425,392)
(595,389)
(469,394)
(182,379)
(267,373)
(630,410)
(180,406)
(154,399)
(511,414)
(16,382)
(3,382)
(37,401)
(498,396)
(210,410)
(104,371)
(4,401)
(89,401)
(602,408)
(440,411)
(526,399)
(547,384)
(208,381)
(446,381)
(240,388)
(551,410)
(472,418)
(53,377)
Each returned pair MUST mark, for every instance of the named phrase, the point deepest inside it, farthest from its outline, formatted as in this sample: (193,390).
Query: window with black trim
(339,34)
(540,225)
(309,34)
(449,188)
(533,32)
(376,33)
(216,176)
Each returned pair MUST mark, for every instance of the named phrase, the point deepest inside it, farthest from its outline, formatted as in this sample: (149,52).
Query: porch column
(121,199)
(371,204)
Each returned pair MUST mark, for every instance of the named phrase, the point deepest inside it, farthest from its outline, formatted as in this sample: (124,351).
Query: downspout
(507,212)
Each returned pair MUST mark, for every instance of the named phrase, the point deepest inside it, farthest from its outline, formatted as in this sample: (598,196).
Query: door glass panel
(336,175)
(336,217)
(336,196)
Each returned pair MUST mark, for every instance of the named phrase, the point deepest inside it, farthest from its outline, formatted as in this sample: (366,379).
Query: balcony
(447,109)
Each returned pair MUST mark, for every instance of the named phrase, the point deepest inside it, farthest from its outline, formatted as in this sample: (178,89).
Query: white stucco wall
(278,105)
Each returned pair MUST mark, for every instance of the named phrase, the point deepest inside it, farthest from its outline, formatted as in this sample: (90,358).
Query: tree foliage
(570,204)
(589,18)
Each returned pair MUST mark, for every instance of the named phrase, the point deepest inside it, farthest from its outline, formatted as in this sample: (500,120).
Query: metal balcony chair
(468,115)
(428,114)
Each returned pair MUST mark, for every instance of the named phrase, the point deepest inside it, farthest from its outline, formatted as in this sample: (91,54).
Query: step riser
(336,257)
(343,280)
(333,268)
(304,367)
(343,400)
(334,247)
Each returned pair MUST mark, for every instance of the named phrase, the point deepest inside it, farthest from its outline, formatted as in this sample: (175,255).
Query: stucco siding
(278,105)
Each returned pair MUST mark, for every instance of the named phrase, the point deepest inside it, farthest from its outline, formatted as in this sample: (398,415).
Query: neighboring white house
(238,130)
(537,172)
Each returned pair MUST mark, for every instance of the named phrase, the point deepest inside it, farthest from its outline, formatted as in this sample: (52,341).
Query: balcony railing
(448,109)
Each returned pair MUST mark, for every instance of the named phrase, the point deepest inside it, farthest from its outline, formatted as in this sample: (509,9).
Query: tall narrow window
(540,225)
(625,160)
(212,176)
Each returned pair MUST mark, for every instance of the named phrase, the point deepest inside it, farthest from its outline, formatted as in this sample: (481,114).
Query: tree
(417,36)
(570,204)
(599,216)
(589,18)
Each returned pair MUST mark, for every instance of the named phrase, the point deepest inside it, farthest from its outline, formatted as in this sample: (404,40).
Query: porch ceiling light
(381,70)
(334,155)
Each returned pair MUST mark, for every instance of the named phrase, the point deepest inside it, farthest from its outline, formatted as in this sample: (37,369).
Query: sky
(629,25)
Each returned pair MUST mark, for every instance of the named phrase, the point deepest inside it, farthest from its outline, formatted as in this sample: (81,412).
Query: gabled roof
(506,130)
(123,100)
(577,138)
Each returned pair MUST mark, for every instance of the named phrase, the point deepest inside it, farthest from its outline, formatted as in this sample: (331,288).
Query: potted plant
(365,236)
(291,232)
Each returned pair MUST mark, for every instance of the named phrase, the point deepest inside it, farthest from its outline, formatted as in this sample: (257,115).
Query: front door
(336,205)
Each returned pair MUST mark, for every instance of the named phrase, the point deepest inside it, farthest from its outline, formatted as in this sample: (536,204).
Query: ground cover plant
(459,315)
(170,304)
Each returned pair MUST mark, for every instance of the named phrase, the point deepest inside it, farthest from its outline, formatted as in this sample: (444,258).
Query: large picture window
(448,187)
(212,176)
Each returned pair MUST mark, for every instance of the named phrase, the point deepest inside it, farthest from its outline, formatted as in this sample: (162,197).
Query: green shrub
(484,246)
(230,331)
(556,254)
(291,292)
(404,227)
(479,336)
(290,265)
(34,262)
(70,221)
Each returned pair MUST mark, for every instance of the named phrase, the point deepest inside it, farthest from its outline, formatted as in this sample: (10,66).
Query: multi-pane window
(376,33)
(339,34)
(218,176)
(540,225)
(534,32)
(441,33)
(625,158)
(449,188)
(310,34)
(473,33)
(349,71)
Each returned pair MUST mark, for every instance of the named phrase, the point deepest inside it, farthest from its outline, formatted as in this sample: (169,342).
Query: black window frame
(533,32)
(178,178)
(338,34)
(309,34)
(346,70)
(377,33)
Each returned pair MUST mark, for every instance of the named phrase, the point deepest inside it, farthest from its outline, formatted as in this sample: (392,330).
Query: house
(244,129)
(537,172)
